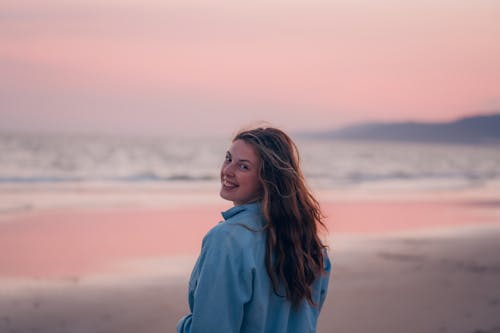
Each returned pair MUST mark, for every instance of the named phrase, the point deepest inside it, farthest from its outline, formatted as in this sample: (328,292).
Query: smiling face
(240,174)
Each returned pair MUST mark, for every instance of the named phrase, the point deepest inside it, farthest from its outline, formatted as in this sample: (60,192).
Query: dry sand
(440,277)
(444,280)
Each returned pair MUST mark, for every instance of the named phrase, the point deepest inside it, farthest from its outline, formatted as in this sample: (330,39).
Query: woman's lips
(227,184)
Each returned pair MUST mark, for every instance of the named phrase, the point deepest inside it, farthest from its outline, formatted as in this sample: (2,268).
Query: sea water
(50,160)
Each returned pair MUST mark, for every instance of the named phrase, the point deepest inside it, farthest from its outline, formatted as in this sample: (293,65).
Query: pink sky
(181,67)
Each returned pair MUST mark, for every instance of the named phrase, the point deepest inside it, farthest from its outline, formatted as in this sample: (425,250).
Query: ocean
(48,160)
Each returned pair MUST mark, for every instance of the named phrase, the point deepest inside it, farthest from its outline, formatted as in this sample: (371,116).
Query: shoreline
(24,198)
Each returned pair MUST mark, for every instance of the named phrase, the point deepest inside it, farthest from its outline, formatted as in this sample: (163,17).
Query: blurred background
(116,115)
(151,92)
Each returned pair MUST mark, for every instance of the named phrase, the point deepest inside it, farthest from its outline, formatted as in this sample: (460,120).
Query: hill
(475,129)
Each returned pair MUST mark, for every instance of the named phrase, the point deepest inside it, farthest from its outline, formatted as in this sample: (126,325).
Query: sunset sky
(207,67)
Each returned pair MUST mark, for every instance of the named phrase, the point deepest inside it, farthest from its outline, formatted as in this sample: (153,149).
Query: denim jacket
(230,289)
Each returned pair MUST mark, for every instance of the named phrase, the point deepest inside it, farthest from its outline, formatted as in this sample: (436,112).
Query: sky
(199,67)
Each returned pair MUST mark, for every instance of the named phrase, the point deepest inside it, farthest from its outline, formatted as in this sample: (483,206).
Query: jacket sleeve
(222,288)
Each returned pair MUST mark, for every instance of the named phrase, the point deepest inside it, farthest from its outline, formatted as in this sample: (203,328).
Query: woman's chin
(225,195)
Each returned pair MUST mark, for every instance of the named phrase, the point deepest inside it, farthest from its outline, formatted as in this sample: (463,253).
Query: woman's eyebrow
(228,153)
(243,160)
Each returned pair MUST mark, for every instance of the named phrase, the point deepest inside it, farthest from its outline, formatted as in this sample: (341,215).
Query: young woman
(264,269)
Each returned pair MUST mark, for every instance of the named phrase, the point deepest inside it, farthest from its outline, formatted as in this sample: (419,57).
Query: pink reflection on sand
(51,244)
(73,243)
(384,217)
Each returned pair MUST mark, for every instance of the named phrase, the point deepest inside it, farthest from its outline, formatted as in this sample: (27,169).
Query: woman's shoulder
(234,231)
(224,240)
(237,230)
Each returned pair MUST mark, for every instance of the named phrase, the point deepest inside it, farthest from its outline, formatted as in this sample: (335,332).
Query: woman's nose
(228,169)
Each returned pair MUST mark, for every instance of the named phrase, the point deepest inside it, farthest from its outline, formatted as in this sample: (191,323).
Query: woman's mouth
(229,185)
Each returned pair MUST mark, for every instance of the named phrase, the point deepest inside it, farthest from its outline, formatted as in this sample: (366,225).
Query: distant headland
(473,130)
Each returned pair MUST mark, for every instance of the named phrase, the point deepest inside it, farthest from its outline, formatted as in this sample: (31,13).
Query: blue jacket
(230,290)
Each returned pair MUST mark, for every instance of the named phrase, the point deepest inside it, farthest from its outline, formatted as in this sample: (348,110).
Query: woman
(264,269)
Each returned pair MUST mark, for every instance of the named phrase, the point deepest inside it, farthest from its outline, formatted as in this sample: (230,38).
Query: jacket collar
(253,207)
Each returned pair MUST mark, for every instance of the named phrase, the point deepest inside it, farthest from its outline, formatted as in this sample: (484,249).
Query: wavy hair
(294,252)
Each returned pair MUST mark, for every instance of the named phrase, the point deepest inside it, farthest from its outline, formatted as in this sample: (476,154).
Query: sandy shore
(444,281)
(127,271)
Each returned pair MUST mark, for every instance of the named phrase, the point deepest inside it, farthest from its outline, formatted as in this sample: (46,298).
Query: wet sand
(397,267)
(73,242)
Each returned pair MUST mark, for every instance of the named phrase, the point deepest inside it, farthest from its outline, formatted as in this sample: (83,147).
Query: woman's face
(240,174)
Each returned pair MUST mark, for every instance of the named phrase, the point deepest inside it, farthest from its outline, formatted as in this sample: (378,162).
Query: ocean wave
(39,179)
(151,177)
(55,160)
(360,177)
(145,177)
(353,178)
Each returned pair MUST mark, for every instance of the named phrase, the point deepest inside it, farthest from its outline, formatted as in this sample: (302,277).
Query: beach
(399,265)
(118,122)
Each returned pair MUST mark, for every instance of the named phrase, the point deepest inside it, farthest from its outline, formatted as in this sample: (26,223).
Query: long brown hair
(294,252)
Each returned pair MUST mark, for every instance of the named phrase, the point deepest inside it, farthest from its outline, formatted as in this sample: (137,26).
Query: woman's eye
(243,167)
(228,158)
